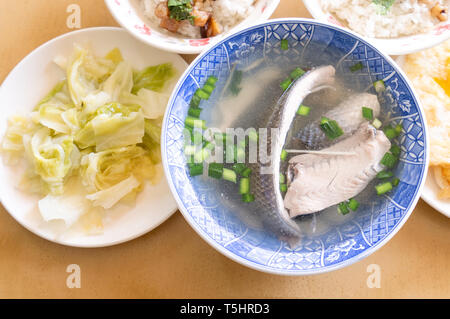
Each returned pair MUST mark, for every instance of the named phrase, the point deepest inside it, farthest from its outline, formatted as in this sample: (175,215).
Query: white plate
(430,189)
(429,194)
(391,46)
(29,81)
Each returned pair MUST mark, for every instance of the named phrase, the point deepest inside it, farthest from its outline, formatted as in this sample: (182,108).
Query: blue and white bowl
(355,236)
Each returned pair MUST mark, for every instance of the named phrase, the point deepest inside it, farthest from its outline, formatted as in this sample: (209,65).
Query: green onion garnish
(284,44)
(246,172)
(195,101)
(285,84)
(353,204)
(343,208)
(390,132)
(398,128)
(384,174)
(194,112)
(379,86)
(195,169)
(201,155)
(303,110)
(215,170)
(283,155)
(195,122)
(282,178)
(389,160)
(240,154)
(396,150)
(367,113)
(212,80)
(330,128)
(248,198)
(244,186)
(395,182)
(358,66)
(283,188)
(297,73)
(377,123)
(229,175)
(208,88)
(383,188)
(236,81)
(189,150)
(202,94)
(239,168)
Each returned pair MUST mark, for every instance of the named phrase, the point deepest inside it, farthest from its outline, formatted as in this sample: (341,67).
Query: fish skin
(322,181)
(348,114)
(265,187)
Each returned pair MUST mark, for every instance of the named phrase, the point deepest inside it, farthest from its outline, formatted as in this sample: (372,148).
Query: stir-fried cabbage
(100,127)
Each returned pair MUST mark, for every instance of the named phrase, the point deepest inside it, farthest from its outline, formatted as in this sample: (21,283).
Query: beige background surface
(173,261)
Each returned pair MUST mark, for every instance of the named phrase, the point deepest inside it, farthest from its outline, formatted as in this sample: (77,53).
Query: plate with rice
(395,26)
(187,26)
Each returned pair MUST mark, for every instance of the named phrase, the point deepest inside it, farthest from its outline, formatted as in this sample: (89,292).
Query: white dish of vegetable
(80,132)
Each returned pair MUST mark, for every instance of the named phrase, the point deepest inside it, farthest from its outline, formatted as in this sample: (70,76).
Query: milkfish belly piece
(321,181)
(348,114)
(265,181)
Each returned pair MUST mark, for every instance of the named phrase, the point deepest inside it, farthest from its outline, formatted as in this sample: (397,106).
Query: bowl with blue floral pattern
(330,240)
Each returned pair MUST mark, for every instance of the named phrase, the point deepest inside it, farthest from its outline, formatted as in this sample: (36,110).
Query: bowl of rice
(396,27)
(188,26)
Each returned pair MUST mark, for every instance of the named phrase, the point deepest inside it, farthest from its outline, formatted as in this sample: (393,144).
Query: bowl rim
(252,264)
(183,48)
(383,44)
(8,208)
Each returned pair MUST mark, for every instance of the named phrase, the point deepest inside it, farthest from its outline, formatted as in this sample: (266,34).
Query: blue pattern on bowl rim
(345,243)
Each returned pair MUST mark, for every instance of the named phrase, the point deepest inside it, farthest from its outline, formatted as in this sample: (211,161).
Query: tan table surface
(173,261)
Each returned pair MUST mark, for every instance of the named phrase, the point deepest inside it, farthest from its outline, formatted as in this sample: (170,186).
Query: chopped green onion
(195,122)
(379,86)
(384,174)
(248,198)
(212,80)
(395,182)
(284,44)
(197,137)
(230,153)
(353,204)
(202,94)
(285,84)
(390,132)
(330,128)
(190,160)
(297,73)
(283,155)
(189,150)
(220,137)
(208,88)
(358,66)
(195,101)
(201,155)
(303,110)
(246,172)
(229,175)
(367,113)
(377,123)
(209,146)
(383,188)
(283,188)
(343,208)
(282,178)
(398,128)
(194,112)
(196,169)
(244,186)
(239,168)
(240,154)
(396,150)
(215,170)
(389,160)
